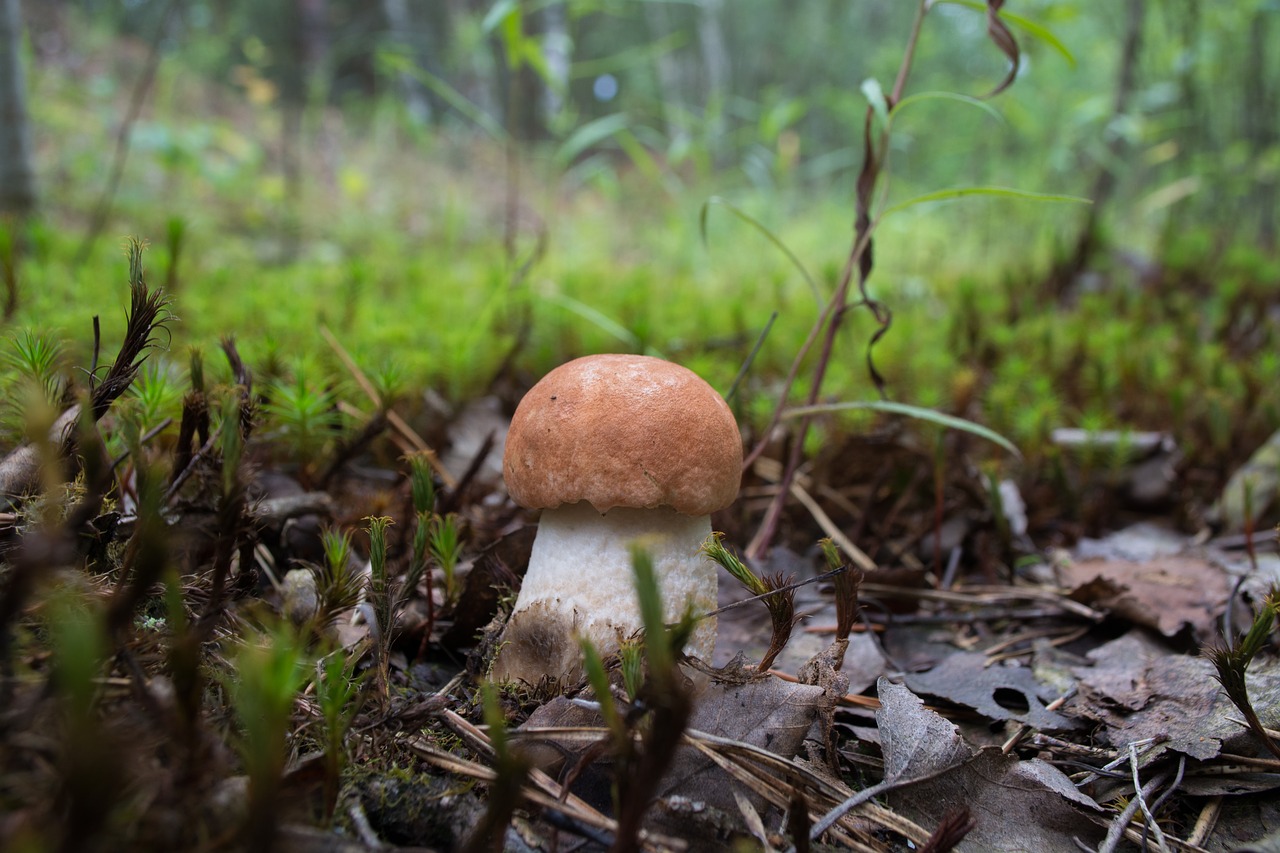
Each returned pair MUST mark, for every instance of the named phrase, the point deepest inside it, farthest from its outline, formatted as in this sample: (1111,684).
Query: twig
(548,793)
(397,422)
(1168,792)
(824,521)
(1117,828)
(1206,821)
(1025,729)
(102,212)
(1145,743)
(1140,796)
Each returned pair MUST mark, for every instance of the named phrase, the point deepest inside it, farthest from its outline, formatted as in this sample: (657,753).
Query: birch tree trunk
(1259,112)
(715,63)
(400,25)
(670,74)
(557,51)
(1104,184)
(17,179)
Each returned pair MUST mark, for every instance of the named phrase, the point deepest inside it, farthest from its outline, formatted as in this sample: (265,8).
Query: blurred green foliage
(437,244)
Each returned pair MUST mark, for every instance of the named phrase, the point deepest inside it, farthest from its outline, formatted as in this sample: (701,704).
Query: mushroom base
(580,581)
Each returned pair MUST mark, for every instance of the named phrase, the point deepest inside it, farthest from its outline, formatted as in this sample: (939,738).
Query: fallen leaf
(997,692)
(1168,594)
(916,742)
(1019,805)
(1138,689)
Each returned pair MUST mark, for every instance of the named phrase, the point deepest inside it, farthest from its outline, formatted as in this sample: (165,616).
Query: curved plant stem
(859,263)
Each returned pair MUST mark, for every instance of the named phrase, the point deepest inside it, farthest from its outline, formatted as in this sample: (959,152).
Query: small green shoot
(443,541)
(778,598)
(380,596)
(598,678)
(336,694)
(641,766)
(91,777)
(631,654)
(422,484)
(156,395)
(39,359)
(232,442)
(1232,661)
(510,772)
(337,584)
(266,677)
(422,490)
(305,415)
(848,580)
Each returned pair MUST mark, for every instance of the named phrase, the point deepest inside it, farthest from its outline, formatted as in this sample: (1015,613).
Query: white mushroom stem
(580,580)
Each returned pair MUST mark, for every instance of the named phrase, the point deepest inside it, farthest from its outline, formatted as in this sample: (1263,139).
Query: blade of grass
(917,412)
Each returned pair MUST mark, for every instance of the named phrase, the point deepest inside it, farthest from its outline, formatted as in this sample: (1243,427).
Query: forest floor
(194,660)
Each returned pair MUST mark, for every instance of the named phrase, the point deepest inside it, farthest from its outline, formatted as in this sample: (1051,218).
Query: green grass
(396,245)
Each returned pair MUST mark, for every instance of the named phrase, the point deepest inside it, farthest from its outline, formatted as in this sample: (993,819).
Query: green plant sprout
(156,395)
(775,592)
(304,414)
(338,584)
(1232,661)
(336,693)
(510,772)
(268,672)
(381,599)
(445,547)
(848,580)
(40,359)
(92,778)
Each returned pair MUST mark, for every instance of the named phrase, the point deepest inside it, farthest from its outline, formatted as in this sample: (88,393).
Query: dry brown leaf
(769,713)
(916,742)
(1019,805)
(1168,594)
(997,692)
(1139,689)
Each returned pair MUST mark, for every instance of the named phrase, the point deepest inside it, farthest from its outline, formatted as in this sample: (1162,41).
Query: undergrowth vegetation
(261,537)
(415,278)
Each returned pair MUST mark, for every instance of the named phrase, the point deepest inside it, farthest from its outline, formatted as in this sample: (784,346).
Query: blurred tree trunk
(1259,114)
(1104,184)
(17,178)
(557,50)
(401,29)
(715,62)
(305,46)
(671,75)
(522,89)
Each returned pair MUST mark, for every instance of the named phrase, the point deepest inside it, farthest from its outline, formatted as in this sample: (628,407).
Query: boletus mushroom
(614,449)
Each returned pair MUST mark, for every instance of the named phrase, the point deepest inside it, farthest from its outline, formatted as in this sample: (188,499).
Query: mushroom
(614,449)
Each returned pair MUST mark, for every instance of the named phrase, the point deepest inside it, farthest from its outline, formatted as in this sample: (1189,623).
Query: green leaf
(640,156)
(763,229)
(599,681)
(649,596)
(392,62)
(1000,192)
(596,318)
(498,14)
(456,100)
(917,412)
(1027,25)
(589,134)
(948,96)
(630,57)
(875,97)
